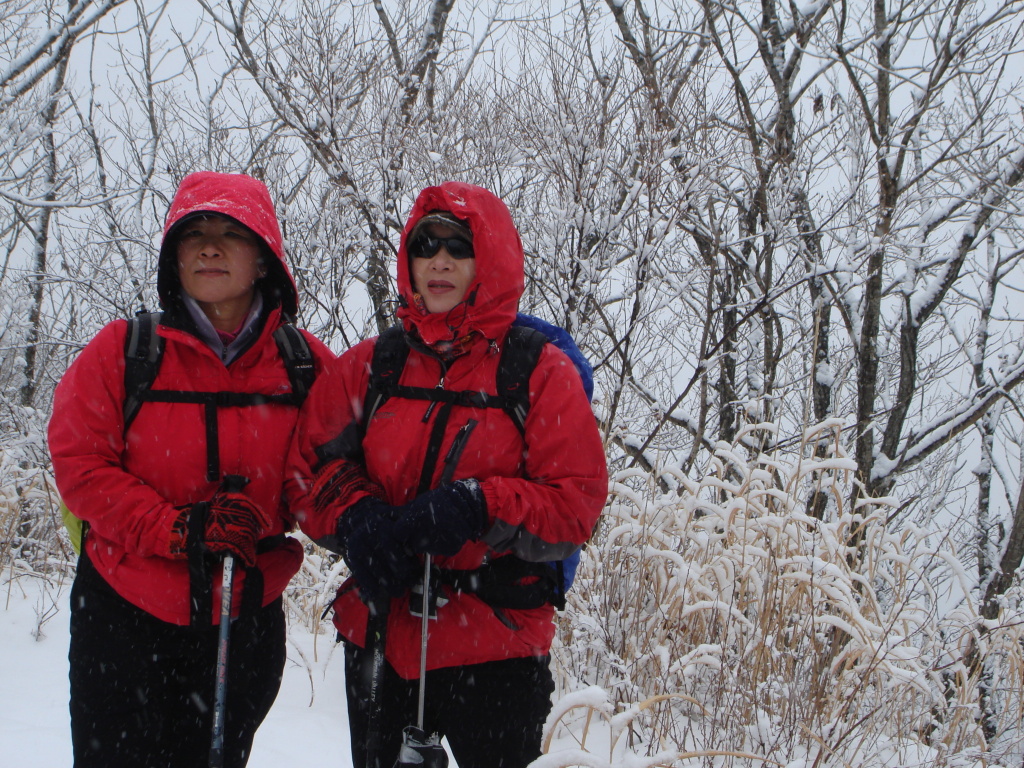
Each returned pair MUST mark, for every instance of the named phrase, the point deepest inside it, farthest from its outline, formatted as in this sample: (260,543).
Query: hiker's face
(218,264)
(440,278)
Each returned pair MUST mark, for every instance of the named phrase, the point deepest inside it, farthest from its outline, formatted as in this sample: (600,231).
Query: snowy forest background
(788,235)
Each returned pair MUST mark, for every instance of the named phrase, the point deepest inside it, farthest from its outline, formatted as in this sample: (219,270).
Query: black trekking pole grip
(234,483)
(230,484)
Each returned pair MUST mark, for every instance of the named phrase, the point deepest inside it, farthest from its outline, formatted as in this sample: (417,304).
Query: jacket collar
(243,340)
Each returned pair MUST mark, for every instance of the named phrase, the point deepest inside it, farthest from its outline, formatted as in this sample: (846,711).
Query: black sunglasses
(426,246)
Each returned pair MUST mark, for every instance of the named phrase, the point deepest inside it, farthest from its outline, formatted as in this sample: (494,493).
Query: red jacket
(126,486)
(547,489)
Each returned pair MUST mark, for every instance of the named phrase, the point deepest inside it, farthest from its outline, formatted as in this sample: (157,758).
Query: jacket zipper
(440,385)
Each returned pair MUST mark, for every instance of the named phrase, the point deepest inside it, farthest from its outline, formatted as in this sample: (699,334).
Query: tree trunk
(42,233)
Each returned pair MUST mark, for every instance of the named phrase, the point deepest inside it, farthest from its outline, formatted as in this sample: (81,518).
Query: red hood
(244,199)
(493,298)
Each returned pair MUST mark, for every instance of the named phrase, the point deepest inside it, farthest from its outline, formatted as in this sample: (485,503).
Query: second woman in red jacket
(457,481)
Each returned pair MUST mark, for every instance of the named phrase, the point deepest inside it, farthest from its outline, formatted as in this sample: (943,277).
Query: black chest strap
(211,402)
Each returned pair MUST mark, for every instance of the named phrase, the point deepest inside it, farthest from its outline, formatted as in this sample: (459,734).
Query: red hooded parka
(543,493)
(127,486)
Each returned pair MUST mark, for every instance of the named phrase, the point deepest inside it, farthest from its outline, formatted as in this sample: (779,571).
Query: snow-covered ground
(307,725)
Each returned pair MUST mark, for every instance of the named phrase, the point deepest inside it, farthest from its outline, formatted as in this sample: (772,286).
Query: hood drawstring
(449,318)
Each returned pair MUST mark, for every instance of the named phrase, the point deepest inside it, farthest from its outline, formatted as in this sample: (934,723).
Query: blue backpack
(561,339)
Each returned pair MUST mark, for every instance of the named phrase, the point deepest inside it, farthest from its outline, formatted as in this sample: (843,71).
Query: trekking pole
(231,484)
(419,749)
(422,700)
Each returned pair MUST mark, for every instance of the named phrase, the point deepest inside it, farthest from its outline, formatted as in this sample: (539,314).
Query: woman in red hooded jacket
(462,484)
(160,521)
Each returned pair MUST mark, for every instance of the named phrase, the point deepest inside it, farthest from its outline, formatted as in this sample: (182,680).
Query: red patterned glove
(336,481)
(232,526)
(178,545)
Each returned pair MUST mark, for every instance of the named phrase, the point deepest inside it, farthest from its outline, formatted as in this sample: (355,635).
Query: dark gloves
(232,526)
(381,564)
(440,521)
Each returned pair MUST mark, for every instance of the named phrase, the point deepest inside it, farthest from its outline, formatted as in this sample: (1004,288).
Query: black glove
(440,521)
(232,526)
(381,564)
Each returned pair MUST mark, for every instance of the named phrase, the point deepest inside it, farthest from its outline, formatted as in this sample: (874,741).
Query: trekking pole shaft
(221,686)
(424,622)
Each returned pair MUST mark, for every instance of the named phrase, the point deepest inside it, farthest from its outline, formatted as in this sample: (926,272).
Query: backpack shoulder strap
(298,360)
(519,357)
(562,339)
(143,348)
(390,352)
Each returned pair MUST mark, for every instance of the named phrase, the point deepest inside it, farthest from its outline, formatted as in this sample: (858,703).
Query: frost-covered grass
(722,619)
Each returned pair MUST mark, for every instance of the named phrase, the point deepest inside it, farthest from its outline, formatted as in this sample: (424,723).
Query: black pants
(142,690)
(492,714)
